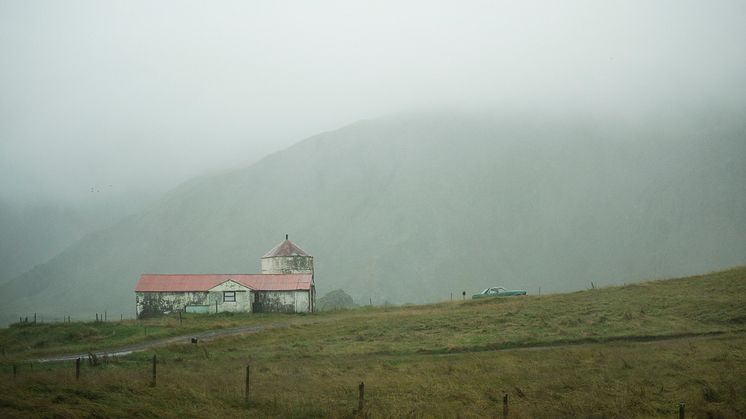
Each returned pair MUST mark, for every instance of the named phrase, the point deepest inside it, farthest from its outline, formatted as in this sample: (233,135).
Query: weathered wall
(282,301)
(157,303)
(244,298)
(212,301)
(288,265)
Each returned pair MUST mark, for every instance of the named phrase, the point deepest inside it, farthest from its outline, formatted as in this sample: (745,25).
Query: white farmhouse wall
(243,301)
(297,301)
(156,303)
(287,265)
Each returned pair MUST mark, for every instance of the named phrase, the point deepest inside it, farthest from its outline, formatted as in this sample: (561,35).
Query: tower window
(229,296)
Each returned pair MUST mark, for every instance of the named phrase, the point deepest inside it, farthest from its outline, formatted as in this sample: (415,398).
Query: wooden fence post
(681,410)
(96,317)
(361,397)
(105,316)
(179,317)
(77,369)
(246,389)
(505,406)
(155,361)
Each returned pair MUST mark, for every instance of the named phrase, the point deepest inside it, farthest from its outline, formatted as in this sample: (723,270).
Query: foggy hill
(31,234)
(412,208)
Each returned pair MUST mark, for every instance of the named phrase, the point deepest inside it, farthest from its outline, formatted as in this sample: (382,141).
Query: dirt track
(200,336)
(217,333)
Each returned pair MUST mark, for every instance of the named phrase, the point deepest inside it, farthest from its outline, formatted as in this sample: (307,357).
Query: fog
(126,98)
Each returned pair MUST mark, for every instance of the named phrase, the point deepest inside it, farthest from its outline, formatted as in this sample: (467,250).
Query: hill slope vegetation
(413,208)
(633,351)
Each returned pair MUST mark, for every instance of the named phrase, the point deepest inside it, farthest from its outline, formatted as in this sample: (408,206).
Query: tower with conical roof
(287,258)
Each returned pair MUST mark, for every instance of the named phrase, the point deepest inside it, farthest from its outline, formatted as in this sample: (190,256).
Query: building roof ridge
(286,248)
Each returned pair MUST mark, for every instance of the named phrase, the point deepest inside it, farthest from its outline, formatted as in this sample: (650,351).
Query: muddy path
(218,333)
(142,346)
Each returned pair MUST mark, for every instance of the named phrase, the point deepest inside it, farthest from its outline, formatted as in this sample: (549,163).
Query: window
(229,296)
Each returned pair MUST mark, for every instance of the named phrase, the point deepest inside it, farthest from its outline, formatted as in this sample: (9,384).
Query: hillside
(413,208)
(32,234)
(632,351)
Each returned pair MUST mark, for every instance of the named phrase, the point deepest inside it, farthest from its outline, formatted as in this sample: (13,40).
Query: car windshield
(493,290)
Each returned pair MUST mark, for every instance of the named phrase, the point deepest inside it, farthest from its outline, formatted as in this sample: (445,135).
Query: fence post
(96,317)
(179,317)
(681,410)
(77,369)
(361,397)
(105,316)
(34,318)
(154,371)
(505,406)
(246,389)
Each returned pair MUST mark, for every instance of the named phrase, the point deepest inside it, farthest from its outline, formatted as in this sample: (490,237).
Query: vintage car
(498,292)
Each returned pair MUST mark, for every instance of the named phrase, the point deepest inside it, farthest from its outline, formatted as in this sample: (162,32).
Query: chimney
(286,236)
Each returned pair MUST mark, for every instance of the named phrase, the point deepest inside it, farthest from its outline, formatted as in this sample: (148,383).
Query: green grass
(28,340)
(595,353)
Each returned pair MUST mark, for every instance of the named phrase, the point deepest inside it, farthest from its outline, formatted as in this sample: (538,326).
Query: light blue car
(498,292)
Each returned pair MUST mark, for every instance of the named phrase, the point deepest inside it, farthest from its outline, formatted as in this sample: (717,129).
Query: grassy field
(23,341)
(625,352)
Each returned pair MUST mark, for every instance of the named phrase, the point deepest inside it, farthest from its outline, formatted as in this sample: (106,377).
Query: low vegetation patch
(628,352)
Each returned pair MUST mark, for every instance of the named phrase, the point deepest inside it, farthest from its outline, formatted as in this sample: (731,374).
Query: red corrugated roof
(203,282)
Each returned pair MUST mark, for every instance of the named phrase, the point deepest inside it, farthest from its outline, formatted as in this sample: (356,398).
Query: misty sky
(141,95)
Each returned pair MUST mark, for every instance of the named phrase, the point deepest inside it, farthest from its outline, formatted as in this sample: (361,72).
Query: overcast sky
(145,94)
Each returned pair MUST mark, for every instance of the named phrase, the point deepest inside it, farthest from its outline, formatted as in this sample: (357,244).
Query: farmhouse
(286,285)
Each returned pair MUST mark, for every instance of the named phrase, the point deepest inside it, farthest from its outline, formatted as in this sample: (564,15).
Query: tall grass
(430,361)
